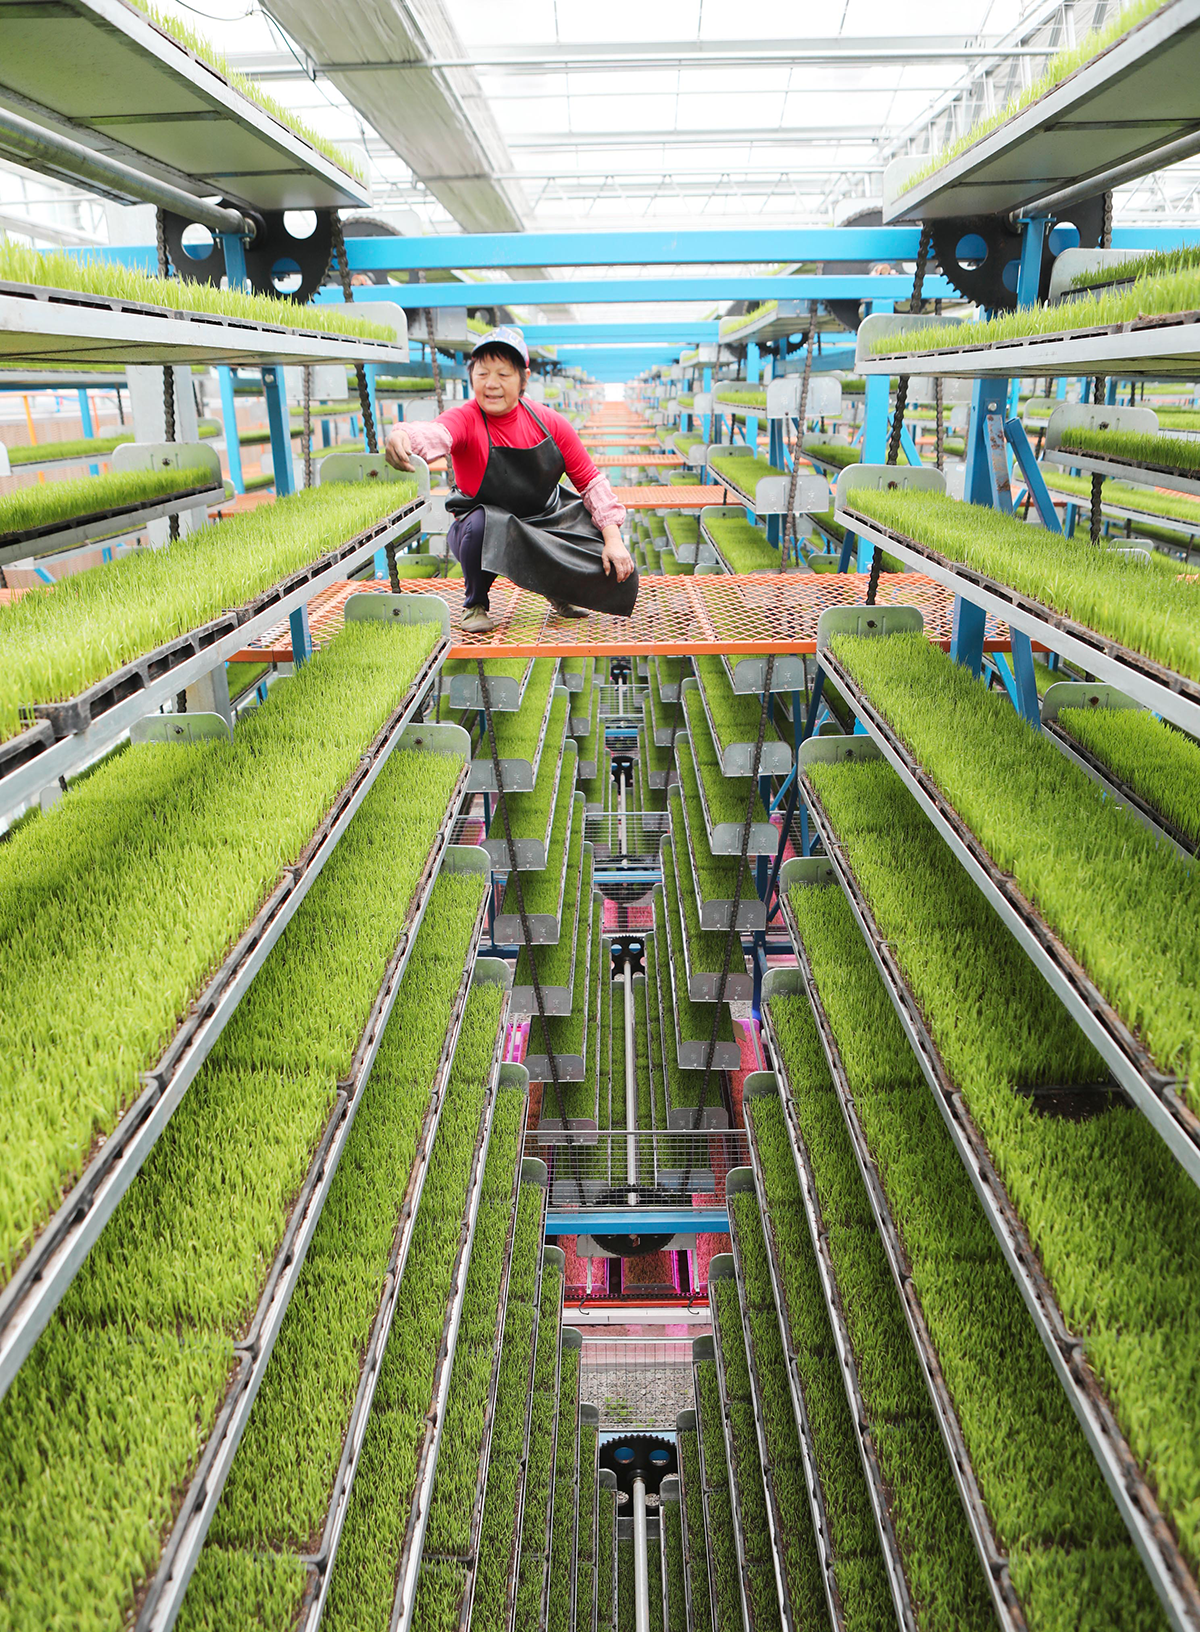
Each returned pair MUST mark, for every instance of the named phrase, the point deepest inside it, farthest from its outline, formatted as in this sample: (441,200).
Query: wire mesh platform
(675,498)
(635,1384)
(739,615)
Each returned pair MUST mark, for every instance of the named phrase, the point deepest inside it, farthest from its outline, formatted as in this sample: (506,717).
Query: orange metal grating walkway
(678,616)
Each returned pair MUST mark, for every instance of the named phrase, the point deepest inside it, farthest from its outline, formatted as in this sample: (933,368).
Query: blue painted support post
(1026,698)
(301,635)
(706,422)
(85,420)
(966,635)
(776,448)
(1029,271)
(235,259)
(752,377)
(997,465)
(233,448)
(1014,431)
(373,400)
(875,431)
(280,422)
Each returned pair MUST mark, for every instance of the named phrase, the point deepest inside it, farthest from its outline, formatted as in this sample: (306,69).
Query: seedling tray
(1156,1095)
(700,983)
(737,758)
(532,851)
(663,714)
(539,1557)
(194,1514)
(724,838)
(40,1280)
(714,914)
(690,1054)
(320,1565)
(505,693)
(716,1480)
(994,1560)
(571,1067)
(721,1268)
(97,717)
(544,927)
(1126,470)
(557,997)
(554,1260)
(113,522)
(516,775)
(1134,1498)
(1157,688)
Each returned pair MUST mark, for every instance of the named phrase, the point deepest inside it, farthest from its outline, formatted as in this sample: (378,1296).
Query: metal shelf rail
(1131,1491)
(194,1513)
(705,1349)
(41,1279)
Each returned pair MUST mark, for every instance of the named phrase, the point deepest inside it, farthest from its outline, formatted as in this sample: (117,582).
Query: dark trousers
(465,540)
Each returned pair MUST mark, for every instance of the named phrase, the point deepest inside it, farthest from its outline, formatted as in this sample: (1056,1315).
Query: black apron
(537,534)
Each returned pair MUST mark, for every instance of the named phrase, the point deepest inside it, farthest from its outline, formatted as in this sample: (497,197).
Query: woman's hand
(398,448)
(615,557)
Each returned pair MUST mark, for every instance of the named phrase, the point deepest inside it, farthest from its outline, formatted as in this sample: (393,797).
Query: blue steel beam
(662,334)
(615,291)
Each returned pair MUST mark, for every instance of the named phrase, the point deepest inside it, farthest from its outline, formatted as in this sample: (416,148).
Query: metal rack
(557,998)
(737,759)
(724,838)
(992,1556)
(546,929)
(70,735)
(194,1514)
(690,1053)
(41,1279)
(517,775)
(533,854)
(1155,1093)
(555,1259)
(320,1565)
(705,1349)
(572,1067)
(1173,696)
(504,693)
(767,1085)
(701,985)
(115,521)
(1131,1491)
(714,914)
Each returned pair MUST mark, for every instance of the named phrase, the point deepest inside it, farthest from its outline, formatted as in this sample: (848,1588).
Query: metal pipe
(54,155)
(1185,148)
(641,1564)
(631,1092)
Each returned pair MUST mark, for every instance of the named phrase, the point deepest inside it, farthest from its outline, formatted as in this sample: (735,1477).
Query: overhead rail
(610,291)
(104,70)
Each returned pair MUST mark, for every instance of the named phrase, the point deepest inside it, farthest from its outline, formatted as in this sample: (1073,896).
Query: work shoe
(477,620)
(564,609)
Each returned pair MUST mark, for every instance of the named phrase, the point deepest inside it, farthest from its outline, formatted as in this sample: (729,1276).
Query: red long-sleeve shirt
(462,433)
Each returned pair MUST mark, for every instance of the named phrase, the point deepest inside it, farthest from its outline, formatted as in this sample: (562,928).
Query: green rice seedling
(742,545)
(1159,263)
(1160,764)
(565,1033)
(1127,494)
(281,1481)
(735,715)
(840,454)
(581,701)
(746,1481)
(540,887)
(57,644)
(704,948)
(852,1540)
(626,1618)
(658,986)
(594,748)
(1126,906)
(59,503)
(671,568)
(506,668)
(363,1582)
(55,270)
(233,1591)
(606,1560)
(585,1545)
(654,1585)
(539,1467)
(95,896)
(197,45)
(1175,453)
(650,1016)
(1059,68)
(527,812)
(695,1561)
(695,1020)
(718,1506)
(743,471)
(683,530)
(939,1560)
(714,876)
(113,1406)
(742,396)
(728,797)
(1154,613)
(1109,1212)
(505,1469)
(673,1543)
(70,448)
(1038,1479)
(563,1547)
(241,677)
(651,758)
(517,732)
(404,383)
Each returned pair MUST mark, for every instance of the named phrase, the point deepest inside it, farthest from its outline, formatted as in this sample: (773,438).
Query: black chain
(360,373)
(893,453)
(308,458)
(939,409)
(733,937)
(1096,517)
(164,271)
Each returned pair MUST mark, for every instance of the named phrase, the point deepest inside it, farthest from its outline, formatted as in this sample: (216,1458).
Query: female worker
(512,515)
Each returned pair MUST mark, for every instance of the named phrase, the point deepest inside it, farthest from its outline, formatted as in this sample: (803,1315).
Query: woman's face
(497,384)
